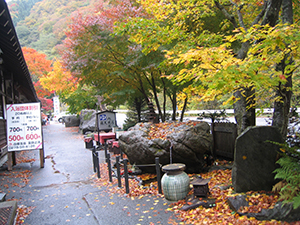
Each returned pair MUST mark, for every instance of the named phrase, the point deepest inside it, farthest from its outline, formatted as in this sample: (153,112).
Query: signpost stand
(24,130)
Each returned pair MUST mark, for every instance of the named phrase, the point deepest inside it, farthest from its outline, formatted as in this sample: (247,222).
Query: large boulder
(71,121)
(183,142)
(88,121)
(255,159)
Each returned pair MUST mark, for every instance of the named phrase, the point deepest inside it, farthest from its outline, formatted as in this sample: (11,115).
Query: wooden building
(15,82)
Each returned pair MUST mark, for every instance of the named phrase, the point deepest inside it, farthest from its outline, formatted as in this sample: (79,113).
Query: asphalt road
(63,192)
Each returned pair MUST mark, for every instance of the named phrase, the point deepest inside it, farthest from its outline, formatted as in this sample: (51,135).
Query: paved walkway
(63,192)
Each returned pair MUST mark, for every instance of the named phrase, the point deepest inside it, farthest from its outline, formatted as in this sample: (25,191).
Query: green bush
(289,173)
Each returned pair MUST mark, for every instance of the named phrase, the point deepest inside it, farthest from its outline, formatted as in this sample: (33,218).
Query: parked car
(60,116)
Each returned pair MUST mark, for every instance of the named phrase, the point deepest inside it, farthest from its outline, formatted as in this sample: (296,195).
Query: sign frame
(106,120)
(24,129)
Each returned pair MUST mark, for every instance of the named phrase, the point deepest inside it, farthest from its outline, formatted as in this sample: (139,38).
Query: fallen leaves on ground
(23,175)
(22,212)
(162,130)
(24,157)
(220,214)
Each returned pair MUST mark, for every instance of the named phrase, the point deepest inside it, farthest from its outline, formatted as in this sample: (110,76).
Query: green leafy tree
(242,55)
(137,113)
(82,98)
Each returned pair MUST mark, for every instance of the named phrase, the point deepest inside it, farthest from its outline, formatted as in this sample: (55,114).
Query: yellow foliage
(59,80)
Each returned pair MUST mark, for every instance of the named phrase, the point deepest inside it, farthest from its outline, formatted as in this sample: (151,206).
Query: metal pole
(158,175)
(109,167)
(118,171)
(126,175)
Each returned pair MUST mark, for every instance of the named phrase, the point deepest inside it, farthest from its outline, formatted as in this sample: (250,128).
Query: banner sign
(24,128)
(56,105)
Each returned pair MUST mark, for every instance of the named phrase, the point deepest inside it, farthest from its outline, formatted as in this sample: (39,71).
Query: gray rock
(255,159)
(284,212)
(189,143)
(88,121)
(71,121)
(237,202)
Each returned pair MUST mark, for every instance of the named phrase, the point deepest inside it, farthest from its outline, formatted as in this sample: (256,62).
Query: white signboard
(24,128)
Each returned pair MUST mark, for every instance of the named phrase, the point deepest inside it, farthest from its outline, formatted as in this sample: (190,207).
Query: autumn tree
(108,61)
(66,86)
(37,62)
(59,79)
(230,49)
(38,66)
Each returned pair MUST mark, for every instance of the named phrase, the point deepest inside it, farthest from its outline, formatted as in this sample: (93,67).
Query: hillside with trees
(40,24)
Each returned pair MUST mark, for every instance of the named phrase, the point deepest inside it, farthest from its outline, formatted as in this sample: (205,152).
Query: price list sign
(24,128)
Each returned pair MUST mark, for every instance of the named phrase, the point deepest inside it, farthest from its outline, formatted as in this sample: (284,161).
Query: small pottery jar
(175,182)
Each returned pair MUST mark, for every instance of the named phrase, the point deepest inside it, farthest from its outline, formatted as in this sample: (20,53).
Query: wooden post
(121,153)
(118,171)
(94,159)
(42,159)
(109,167)
(42,152)
(97,164)
(126,176)
(214,137)
(14,159)
(158,175)
(9,161)
(105,150)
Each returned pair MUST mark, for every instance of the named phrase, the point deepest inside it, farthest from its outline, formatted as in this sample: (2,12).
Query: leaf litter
(221,213)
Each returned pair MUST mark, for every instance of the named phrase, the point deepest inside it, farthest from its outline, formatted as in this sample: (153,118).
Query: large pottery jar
(175,182)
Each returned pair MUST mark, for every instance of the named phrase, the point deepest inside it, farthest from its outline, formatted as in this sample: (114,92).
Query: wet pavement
(63,192)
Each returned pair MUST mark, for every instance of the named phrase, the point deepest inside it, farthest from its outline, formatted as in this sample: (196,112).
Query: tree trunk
(244,109)
(173,99)
(283,91)
(183,108)
(156,98)
(138,108)
(282,107)
(165,98)
(272,13)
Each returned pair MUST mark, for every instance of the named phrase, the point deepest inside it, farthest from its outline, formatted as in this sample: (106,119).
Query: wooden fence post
(158,174)
(126,175)
(118,171)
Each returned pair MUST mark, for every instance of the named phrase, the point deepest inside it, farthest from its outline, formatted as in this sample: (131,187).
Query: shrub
(289,172)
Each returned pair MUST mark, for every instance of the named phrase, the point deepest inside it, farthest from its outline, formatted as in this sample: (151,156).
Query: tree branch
(226,14)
